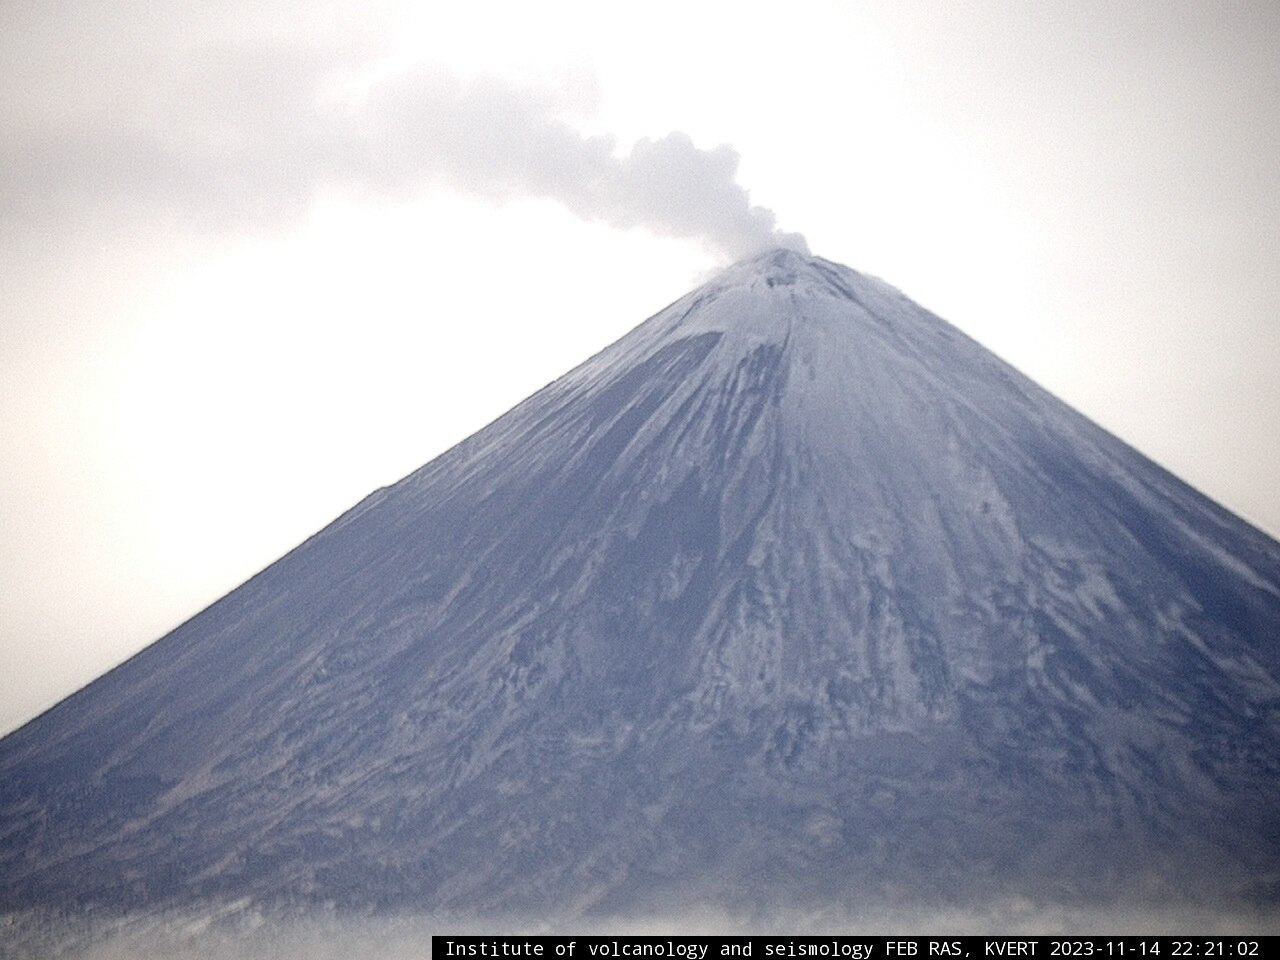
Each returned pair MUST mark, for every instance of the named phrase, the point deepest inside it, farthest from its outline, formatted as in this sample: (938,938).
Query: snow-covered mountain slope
(794,596)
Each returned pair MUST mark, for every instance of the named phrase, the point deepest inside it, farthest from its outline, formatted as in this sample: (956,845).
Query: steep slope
(793,596)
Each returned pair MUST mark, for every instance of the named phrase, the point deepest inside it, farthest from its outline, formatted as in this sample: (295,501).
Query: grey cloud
(242,137)
(226,136)
(491,140)
(689,188)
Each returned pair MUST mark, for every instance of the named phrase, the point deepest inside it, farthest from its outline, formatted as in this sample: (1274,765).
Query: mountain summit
(793,597)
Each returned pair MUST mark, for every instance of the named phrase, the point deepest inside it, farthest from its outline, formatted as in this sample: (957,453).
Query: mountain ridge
(793,595)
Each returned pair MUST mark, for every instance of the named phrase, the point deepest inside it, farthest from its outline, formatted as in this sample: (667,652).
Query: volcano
(795,597)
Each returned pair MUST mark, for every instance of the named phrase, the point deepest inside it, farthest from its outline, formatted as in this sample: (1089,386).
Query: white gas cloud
(241,137)
(490,139)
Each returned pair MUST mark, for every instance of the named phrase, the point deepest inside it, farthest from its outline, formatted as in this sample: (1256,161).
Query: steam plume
(491,140)
(243,135)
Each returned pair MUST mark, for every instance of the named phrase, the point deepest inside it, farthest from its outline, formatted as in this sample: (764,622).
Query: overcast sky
(258,259)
